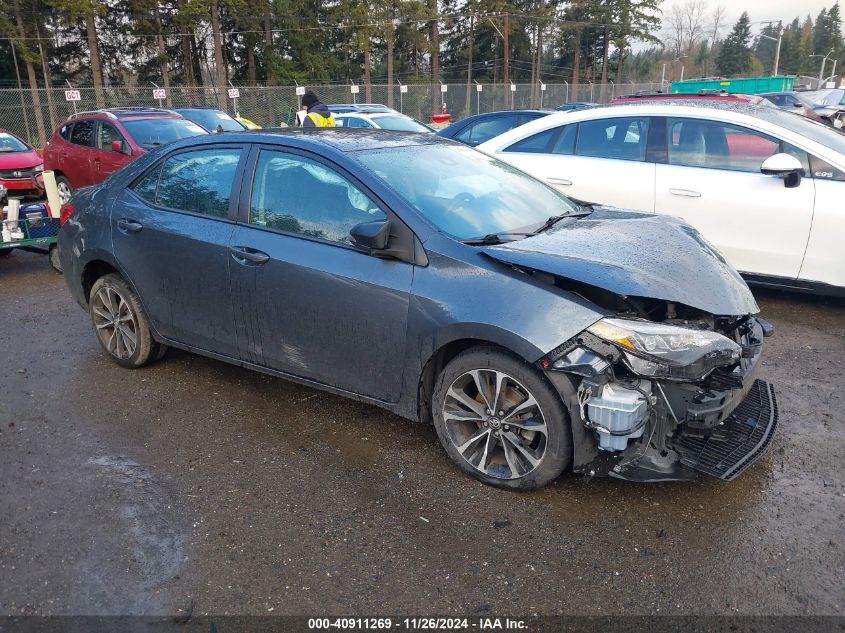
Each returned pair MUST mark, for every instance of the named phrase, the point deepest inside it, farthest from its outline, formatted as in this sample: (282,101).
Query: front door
(172,229)
(713,181)
(104,160)
(308,302)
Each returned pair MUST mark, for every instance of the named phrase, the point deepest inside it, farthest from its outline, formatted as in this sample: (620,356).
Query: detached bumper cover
(739,441)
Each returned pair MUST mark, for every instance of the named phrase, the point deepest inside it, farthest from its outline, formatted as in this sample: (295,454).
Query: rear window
(156,132)
(400,123)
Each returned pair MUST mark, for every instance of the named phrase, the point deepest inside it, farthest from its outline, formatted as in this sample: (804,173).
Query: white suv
(766,187)
(375,116)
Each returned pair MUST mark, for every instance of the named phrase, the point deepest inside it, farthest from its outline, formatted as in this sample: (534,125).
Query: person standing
(317,113)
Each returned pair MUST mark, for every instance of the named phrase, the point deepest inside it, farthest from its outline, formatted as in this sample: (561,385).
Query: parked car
(828,104)
(212,119)
(765,187)
(703,96)
(379,120)
(797,103)
(339,108)
(90,146)
(478,128)
(418,275)
(19,163)
(575,105)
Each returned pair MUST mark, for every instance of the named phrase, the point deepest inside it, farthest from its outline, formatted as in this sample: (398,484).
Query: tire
(65,188)
(53,256)
(523,446)
(111,299)
(5,252)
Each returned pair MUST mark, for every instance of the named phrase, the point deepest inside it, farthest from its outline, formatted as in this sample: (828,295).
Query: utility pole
(777,48)
(506,52)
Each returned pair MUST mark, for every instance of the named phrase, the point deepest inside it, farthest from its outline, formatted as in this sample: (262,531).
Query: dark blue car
(536,332)
(477,129)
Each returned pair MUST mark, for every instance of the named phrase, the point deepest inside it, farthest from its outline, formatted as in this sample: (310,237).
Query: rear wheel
(500,421)
(65,189)
(120,323)
(53,256)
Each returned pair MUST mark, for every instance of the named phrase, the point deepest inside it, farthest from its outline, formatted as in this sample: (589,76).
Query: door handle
(687,193)
(243,254)
(559,181)
(129,226)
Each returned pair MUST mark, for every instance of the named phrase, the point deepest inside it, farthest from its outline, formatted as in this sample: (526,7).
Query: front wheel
(53,256)
(500,420)
(120,323)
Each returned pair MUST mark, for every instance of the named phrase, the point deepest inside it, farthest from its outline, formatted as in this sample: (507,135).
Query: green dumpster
(743,85)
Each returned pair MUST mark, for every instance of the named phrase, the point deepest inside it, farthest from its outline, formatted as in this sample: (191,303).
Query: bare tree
(685,26)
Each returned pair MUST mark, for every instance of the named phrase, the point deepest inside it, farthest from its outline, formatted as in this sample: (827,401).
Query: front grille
(739,442)
(16,174)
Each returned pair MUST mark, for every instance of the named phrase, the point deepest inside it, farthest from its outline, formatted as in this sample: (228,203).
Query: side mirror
(371,235)
(798,104)
(120,147)
(784,166)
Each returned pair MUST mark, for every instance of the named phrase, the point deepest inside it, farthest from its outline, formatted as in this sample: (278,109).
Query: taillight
(67,210)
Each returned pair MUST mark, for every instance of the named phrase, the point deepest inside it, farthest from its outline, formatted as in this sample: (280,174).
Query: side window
(106,134)
(565,143)
(146,187)
(354,122)
(477,133)
(823,170)
(714,145)
(624,138)
(82,133)
(539,143)
(199,181)
(295,194)
(64,132)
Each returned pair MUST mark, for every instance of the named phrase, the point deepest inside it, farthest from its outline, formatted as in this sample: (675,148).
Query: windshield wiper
(494,238)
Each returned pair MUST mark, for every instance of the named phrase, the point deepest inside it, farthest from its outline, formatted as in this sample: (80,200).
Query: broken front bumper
(739,441)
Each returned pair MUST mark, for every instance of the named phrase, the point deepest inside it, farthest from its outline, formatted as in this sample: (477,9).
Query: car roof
(363,108)
(340,139)
(126,114)
(190,108)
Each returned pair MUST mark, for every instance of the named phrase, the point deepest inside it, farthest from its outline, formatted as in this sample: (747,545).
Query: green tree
(735,56)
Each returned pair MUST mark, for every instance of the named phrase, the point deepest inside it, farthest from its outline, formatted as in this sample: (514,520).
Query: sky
(764,10)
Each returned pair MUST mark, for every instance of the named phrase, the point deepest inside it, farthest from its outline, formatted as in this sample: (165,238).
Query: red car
(19,162)
(90,146)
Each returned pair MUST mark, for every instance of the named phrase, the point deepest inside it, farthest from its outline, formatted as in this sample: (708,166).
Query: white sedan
(766,187)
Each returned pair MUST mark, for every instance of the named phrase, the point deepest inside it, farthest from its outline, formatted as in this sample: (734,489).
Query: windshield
(212,119)
(835,96)
(9,143)
(465,193)
(400,123)
(156,132)
(818,132)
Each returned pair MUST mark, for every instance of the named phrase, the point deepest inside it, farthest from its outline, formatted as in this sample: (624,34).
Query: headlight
(667,351)
(38,168)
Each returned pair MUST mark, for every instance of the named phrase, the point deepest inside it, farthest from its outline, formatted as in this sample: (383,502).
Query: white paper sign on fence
(444,88)
(543,87)
(72,95)
(478,87)
(354,89)
(159,93)
(403,89)
(300,90)
(513,87)
(234,93)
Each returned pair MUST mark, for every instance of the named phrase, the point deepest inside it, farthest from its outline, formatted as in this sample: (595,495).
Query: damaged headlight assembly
(667,351)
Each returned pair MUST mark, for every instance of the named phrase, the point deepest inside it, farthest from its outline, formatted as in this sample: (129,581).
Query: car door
(104,160)
(76,157)
(308,302)
(602,160)
(712,180)
(170,232)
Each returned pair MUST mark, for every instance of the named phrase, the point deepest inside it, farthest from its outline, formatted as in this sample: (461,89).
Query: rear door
(308,302)
(712,180)
(603,160)
(77,154)
(105,161)
(171,232)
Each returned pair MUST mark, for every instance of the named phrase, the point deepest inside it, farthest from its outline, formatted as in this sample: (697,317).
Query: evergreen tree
(735,56)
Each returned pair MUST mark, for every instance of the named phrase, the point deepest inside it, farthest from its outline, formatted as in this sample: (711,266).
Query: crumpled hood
(635,254)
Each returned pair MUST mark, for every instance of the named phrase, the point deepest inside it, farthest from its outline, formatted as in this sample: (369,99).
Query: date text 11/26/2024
(418,624)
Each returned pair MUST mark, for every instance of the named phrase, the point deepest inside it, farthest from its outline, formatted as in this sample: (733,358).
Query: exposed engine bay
(665,391)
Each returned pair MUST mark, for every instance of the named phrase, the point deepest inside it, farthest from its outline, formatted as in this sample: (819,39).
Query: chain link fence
(34,114)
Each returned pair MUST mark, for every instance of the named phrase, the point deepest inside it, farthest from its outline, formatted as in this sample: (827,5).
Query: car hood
(635,254)
(19,160)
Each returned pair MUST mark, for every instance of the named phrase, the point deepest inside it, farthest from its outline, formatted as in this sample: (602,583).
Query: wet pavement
(195,486)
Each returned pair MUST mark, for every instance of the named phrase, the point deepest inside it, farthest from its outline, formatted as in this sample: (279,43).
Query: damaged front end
(662,400)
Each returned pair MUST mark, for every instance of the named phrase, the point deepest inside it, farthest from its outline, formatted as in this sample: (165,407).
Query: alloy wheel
(495,423)
(64,192)
(116,325)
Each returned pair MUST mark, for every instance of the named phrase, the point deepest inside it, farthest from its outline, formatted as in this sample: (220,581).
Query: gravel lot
(192,485)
